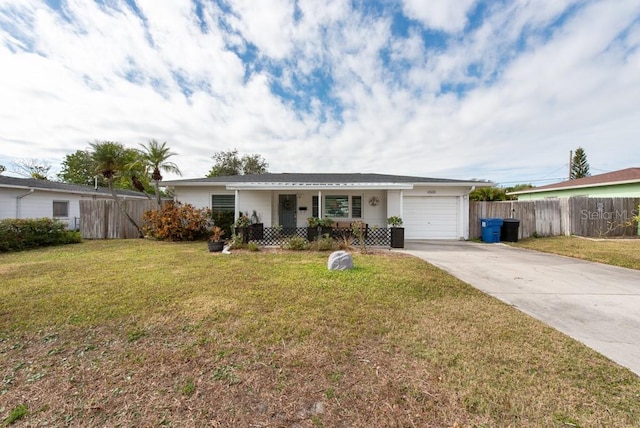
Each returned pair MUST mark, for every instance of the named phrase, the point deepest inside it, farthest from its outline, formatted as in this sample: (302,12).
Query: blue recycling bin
(491,229)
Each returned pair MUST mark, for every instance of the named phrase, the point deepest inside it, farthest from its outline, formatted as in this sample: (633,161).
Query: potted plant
(256,228)
(241,227)
(313,223)
(326,225)
(215,242)
(224,219)
(397,231)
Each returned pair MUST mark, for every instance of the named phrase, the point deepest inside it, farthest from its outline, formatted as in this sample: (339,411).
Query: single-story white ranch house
(31,198)
(431,208)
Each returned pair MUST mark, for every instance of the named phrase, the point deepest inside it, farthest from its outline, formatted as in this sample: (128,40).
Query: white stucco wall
(199,197)
(394,203)
(265,202)
(258,201)
(36,204)
(372,215)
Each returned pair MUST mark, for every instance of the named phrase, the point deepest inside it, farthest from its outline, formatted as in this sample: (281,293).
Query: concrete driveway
(597,304)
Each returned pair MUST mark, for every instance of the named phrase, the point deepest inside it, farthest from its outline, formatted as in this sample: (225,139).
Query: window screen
(223,203)
(314,207)
(356,206)
(336,206)
(60,209)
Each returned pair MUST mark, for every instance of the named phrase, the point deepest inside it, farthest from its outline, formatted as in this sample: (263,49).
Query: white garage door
(431,217)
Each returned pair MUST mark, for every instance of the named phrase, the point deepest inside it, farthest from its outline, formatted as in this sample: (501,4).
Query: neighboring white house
(431,208)
(31,198)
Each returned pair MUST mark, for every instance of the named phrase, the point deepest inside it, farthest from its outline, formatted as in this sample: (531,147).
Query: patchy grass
(617,252)
(141,333)
(16,414)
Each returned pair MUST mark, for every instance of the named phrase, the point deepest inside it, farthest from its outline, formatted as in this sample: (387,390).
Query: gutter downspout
(19,200)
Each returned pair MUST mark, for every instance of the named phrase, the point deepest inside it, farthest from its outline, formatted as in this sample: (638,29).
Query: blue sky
(497,90)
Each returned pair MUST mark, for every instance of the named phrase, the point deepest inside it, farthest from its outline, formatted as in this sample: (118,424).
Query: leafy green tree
(229,163)
(111,160)
(154,157)
(2,169)
(495,193)
(579,165)
(516,188)
(488,194)
(78,168)
(254,164)
(226,163)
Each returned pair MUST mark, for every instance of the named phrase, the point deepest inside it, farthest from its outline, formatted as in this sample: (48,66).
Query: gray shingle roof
(31,183)
(320,178)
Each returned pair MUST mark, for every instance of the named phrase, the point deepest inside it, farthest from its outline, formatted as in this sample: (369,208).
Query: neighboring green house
(624,183)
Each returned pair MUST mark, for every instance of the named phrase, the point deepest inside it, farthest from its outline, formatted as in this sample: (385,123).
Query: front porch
(277,235)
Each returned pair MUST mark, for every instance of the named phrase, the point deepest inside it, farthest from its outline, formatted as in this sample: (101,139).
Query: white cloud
(268,25)
(445,15)
(535,92)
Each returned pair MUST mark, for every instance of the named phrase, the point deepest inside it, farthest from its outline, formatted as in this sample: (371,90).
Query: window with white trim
(336,206)
(223,203)
(356,207)
(60,209)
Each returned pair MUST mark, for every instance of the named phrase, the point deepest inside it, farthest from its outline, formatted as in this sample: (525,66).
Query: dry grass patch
(171,335)
(616,252)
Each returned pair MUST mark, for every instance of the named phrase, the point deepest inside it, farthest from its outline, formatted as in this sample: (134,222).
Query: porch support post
(463,207)
(237,205)
(401,203)
(319,203)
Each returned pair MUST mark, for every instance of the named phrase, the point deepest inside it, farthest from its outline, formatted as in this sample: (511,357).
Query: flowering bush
(177,222)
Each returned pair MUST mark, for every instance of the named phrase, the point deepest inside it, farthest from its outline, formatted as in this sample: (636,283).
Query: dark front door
(287,213)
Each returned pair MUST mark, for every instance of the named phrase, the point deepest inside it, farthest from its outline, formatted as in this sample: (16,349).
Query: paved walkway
(597,304)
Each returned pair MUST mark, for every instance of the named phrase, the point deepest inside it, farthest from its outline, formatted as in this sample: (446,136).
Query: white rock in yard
(340,260)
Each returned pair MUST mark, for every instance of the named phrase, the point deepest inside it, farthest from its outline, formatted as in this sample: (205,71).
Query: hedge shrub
(296,243)
(24,234)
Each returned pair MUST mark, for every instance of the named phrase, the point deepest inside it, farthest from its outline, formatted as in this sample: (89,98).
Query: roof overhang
(71,191)
(321,186)
(318,186)
(583,186)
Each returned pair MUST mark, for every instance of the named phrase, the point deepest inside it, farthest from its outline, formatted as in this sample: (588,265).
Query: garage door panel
(431,217)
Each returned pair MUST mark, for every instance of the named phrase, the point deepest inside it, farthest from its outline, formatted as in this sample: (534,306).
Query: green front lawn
(142,333)
(616,252)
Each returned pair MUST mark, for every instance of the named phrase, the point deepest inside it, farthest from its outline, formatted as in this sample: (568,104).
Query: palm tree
(154,155)
(110,160)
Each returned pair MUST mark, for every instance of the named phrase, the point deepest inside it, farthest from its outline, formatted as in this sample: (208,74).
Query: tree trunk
(156,184)
(124,211)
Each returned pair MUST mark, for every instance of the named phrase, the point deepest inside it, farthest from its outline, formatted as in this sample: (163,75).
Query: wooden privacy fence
(101,219)
(581,216)
(596,217)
